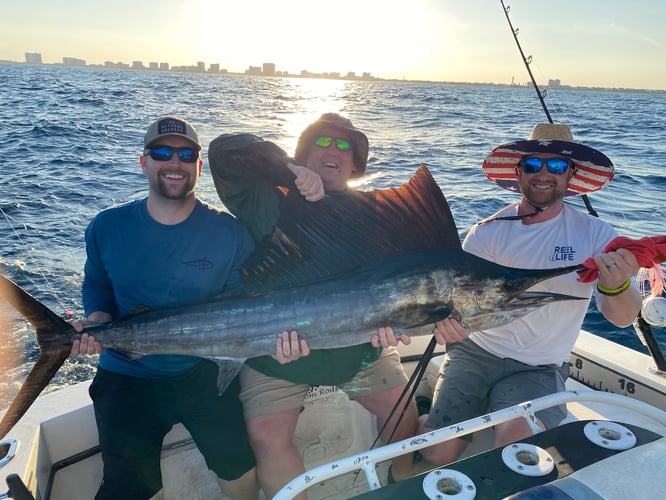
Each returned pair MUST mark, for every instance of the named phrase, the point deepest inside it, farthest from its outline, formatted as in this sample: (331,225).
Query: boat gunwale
(368,460)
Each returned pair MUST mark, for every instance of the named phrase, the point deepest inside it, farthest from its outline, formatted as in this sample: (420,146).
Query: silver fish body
(404,292)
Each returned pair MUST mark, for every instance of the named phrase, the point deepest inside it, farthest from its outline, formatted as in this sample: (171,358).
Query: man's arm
(249,173)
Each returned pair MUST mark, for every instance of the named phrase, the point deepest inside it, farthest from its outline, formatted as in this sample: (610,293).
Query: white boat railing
(368,460)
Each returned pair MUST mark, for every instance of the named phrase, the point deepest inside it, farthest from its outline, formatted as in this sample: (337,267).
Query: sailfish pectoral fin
(537,299)
(227,369)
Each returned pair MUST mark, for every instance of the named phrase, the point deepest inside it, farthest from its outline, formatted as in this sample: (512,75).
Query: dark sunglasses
(165,153)
(532,165)
(341,144)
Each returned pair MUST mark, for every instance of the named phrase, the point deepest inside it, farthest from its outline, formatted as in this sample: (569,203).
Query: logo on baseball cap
(170,126)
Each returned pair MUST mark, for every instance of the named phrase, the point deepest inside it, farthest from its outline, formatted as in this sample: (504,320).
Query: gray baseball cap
(170,126)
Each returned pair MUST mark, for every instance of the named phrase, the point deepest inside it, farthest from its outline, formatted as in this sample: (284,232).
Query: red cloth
(649,251)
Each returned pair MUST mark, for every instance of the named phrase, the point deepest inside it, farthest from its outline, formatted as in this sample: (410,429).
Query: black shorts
(134,414)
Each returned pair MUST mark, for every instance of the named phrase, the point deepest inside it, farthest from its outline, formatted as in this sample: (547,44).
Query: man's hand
(449,330)
(386,337)
(309,183)
(87,345)
(289,348)
(616,267)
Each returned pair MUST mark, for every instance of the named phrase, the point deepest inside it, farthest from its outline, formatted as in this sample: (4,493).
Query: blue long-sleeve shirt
(135,263)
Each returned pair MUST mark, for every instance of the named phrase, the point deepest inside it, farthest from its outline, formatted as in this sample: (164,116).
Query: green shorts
(473,382)
(263,395)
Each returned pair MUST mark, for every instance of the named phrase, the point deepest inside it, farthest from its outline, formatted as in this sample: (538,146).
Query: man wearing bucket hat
(251,176)
(528,358)
(317,138)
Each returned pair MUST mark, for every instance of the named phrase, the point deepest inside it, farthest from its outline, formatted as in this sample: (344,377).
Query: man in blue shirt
(169,249)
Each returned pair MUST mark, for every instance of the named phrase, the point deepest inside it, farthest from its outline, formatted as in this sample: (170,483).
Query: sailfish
(334,270)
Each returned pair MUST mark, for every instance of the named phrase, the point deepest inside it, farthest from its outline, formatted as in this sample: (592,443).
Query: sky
(592,43)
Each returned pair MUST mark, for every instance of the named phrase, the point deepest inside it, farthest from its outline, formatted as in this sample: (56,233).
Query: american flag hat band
(593,169)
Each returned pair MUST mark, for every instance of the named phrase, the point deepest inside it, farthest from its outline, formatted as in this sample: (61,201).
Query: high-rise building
(73,61)
(33,58)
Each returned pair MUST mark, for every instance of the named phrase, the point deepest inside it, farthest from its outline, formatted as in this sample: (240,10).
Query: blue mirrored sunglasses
(532,165)
(341,144)
(165,153)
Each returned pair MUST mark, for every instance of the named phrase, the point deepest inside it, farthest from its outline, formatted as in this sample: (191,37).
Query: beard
(539,199)
(175,192)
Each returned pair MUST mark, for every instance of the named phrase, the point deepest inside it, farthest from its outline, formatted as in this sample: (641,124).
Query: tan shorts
(263,395)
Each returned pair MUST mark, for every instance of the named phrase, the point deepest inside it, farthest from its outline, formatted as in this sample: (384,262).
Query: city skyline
(595,43)
(269,70)
(266,69)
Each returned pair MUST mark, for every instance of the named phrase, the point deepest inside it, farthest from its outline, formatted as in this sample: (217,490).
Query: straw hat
(593,169)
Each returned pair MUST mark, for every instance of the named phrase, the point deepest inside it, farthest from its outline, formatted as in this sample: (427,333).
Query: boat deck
(57,453)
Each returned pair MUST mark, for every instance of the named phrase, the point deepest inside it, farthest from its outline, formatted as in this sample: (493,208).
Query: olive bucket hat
(359,140)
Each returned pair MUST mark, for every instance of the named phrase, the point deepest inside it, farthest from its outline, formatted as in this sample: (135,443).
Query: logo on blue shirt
(200,264)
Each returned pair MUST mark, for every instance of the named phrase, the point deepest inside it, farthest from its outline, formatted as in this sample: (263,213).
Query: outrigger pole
(643,329)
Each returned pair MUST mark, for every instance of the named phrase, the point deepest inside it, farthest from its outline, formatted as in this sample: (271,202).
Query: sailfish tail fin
(54,336)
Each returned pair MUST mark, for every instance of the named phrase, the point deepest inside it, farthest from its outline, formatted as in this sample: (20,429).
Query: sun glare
(311,98)
(301,35)
(11,354)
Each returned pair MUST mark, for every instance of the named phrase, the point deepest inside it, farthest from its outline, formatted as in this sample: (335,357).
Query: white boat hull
(57,454)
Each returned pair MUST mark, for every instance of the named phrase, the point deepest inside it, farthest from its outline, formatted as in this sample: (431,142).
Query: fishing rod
(540,94)
(527,61)
(643,329)
(11,223)
(405,398)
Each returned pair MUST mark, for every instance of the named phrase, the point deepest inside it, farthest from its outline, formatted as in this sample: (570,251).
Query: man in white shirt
(528,358)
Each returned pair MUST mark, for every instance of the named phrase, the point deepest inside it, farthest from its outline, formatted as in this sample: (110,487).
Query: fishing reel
(653,311)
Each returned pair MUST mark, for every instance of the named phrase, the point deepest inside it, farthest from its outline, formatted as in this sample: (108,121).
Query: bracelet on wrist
(612,292)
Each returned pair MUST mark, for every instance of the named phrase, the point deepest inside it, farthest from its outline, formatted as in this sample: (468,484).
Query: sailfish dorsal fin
(349,229)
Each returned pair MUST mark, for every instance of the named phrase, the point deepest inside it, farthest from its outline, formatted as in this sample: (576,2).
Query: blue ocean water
(71,137)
